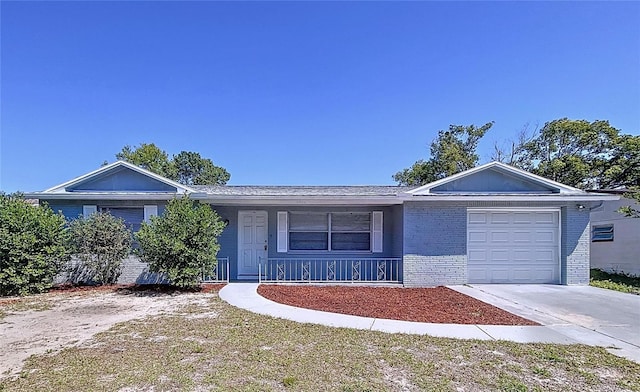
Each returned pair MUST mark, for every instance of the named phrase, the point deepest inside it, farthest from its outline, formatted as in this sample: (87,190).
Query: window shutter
(282,231)
(88,210)
(149,211)
(376,241)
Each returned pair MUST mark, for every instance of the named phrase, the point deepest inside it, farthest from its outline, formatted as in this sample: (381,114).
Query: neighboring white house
(615,239)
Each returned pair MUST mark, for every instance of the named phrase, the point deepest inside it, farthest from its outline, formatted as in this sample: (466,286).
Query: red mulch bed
(428,305)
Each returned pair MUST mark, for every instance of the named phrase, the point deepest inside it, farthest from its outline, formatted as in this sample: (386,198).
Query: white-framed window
(602,233)
(333,231)
(132,216)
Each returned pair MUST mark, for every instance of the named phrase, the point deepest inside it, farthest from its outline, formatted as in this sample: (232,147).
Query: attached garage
(513,246)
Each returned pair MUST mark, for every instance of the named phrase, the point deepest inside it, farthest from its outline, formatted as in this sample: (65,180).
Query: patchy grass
(46,301)
(238,350)
(617,282)
(36,303)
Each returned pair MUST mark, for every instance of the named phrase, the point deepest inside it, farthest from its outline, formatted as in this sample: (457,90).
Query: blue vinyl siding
(70,211)
(122,179)
(492,180)
(73,209)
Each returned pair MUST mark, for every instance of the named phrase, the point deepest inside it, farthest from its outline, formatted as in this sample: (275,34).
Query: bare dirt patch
(428,305)
(73,315)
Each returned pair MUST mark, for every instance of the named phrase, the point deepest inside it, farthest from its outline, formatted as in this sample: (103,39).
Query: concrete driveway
(584,314)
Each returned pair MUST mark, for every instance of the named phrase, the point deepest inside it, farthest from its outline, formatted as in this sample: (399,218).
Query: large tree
(187,167)
(583,154)
(148,156)
(631,211)
(190,168)
(453,151)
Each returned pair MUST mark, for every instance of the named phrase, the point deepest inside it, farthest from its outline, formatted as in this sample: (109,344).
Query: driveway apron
(585,314)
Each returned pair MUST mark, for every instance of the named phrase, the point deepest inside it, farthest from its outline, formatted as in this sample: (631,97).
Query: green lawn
(618,282)
(239,350)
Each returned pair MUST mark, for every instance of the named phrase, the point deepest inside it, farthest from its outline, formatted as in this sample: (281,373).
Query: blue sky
(299,92)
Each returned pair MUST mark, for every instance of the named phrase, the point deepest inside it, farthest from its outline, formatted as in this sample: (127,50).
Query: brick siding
(435,245)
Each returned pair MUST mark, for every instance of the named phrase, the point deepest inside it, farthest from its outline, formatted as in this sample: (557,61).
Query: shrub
(183,242)
(33,246)
(615,281)
(100,241)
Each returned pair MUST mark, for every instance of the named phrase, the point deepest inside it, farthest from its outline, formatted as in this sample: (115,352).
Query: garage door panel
(500,274)
(547,275)
(478,274)
(499,236)
(477,218)
(522,256)
(547,256)
(521,274)
(522,236)
(523,218)
(513,247)
(546,236)
(498,218)
(499,255)
(478,256)
(478,236)
(546,218)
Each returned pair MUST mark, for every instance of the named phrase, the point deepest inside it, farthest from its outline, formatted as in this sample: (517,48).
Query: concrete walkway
(245,296)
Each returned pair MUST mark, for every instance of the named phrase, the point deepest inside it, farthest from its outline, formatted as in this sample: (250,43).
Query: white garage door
(513,246)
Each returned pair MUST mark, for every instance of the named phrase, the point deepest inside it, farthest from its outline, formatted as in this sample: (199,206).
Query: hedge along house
(490,224)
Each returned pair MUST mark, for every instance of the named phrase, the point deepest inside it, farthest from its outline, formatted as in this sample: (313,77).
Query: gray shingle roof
(354,190)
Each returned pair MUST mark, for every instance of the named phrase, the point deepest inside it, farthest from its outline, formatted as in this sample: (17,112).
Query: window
(132,216)
(350,231)
(602,233)
(338,231)
(308,231)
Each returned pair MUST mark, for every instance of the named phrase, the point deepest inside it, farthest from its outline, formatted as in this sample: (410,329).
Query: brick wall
(133,271)
(435,238)
(435,245)
(575,245)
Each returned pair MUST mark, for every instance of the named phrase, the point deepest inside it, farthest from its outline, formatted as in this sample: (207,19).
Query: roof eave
(102,196)
(497,197)
(297,200)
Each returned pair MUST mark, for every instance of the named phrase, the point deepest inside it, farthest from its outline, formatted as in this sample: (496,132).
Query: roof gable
(120,176)
(494,178)
(121,179)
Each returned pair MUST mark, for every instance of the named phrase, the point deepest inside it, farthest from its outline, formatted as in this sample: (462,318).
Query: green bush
(33,246)
(618,282)
(183,242)
(100,242)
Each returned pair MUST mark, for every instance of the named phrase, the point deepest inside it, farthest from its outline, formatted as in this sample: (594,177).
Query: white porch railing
(219,273)
(298,270)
